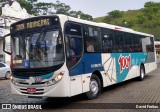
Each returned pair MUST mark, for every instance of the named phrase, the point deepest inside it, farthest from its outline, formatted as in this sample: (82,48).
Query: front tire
(95,87)
(7,75)
(142,73)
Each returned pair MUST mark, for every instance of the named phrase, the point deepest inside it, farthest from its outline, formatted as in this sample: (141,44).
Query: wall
(10,14)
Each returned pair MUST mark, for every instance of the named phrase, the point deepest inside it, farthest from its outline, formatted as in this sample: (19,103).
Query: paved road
(133,91)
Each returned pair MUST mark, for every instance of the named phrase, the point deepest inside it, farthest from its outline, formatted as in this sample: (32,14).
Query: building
(11,13)
(157,47)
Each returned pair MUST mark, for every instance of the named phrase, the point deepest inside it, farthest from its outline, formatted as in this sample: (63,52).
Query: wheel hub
(142,73)
(94,86)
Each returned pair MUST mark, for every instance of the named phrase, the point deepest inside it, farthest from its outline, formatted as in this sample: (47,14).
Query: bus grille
(32,83)
(38,91)
(29,73)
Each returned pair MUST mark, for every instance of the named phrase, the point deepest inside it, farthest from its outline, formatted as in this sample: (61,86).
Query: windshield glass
(37,50)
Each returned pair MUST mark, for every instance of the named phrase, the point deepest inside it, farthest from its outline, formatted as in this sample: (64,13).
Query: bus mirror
(6,45)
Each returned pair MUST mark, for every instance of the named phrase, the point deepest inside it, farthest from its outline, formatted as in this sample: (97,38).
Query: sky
(98,8)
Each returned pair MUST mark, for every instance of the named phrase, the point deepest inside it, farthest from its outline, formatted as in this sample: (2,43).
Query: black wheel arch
(142,65)
(97,73)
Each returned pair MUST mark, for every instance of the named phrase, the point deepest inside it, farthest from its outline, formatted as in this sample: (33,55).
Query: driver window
(18,52)
(73,38)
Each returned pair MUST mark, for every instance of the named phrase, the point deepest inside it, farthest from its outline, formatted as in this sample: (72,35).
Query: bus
(62,56)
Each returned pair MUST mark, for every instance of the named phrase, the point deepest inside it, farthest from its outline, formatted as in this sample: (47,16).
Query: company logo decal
(38,79)
(124,62)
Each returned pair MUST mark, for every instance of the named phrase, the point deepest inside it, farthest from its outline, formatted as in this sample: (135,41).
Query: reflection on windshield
(37,50)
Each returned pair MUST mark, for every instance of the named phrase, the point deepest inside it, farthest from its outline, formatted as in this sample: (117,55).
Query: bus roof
(104,25)
(109,26)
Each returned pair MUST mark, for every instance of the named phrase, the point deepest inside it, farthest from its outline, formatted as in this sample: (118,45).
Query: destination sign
(33,24)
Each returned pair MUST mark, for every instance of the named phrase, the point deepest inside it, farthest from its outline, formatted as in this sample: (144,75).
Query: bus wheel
(95,87)
(7,75)
(142,73)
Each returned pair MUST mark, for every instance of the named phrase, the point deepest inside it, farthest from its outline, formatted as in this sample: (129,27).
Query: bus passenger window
(129,44)
(119,42)
(107,40)
(92,39)
(90,47)
(137,43)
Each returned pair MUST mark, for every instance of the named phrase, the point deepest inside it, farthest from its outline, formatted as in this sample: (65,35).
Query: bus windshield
(37,50)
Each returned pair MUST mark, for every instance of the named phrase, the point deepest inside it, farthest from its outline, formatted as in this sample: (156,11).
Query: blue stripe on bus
(88,64)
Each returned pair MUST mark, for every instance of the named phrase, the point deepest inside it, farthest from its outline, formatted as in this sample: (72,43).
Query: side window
(92,39)
(129,45)
(74,46)
(137,43)
(148,44)
(119,42)
(148,47)
(107,40)
(18,52)
(73,29)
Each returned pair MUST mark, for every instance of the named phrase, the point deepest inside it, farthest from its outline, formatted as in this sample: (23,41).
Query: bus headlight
(14,82)
(56,79)
(59,76)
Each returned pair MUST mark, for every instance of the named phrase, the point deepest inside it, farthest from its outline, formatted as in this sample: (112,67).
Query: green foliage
(152,10)
(42,8)
(116,14)
(32,0)
(25,4)
(141,19)
(60,8)
(81,15)
(144,20)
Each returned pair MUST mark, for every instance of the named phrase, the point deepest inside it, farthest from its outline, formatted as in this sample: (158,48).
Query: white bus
(62,56)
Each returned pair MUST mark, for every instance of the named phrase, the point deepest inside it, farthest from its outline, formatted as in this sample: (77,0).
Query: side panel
(75,85)
(110,70)
(128,64)
(114,68)
(85,82)
(83,71)
(150,67)
(119,67)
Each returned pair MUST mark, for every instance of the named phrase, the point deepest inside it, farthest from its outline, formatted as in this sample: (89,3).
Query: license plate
(31,90)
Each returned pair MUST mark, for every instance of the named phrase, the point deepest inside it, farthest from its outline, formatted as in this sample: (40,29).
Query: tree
(62,8)
(42,8)
(141,19)
(25,4)
(51,8)
(31,1)
(116,14)
(151,8)
(81,15)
